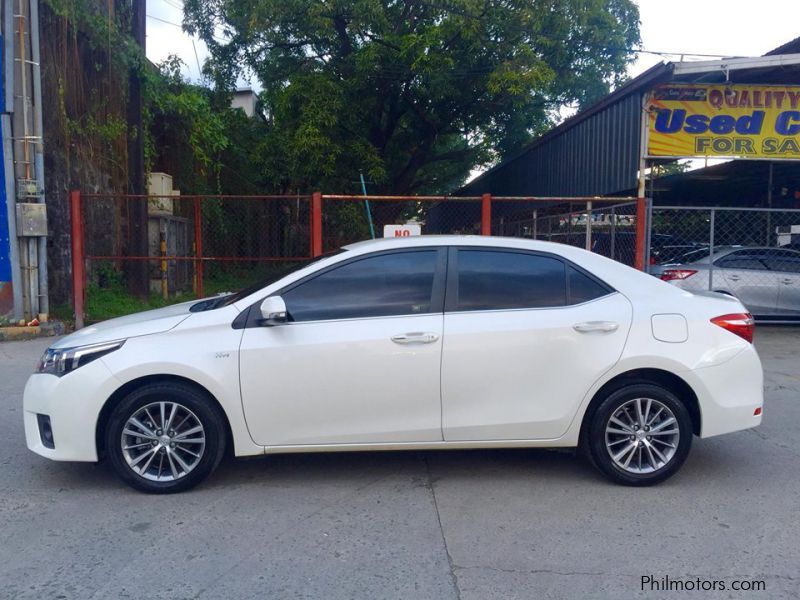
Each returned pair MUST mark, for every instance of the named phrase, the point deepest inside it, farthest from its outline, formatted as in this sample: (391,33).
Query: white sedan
(421,343)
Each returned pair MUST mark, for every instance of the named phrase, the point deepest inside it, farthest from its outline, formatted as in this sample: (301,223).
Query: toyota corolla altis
(422,343)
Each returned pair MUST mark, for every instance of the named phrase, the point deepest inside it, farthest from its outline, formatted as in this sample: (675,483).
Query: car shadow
(431,466)
(499,466)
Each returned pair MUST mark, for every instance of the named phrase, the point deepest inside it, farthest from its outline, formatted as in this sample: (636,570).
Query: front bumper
(72,403)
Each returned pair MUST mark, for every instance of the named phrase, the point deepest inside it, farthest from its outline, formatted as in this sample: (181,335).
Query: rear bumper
(73,404)
(729,393)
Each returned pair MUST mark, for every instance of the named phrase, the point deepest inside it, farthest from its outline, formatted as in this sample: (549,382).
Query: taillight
(741,324)
(671,274)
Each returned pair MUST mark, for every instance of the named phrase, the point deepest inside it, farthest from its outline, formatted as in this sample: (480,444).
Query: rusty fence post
(641,232)
(486,214)
(310,228)
(198,248)
(316,224)
(78,266)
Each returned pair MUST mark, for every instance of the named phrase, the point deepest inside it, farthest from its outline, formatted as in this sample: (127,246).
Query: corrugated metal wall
(595,157)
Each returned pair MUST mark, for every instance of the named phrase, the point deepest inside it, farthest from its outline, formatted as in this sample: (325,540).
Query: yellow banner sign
(740,121)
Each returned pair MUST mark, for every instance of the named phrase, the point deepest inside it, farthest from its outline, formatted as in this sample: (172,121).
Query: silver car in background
(766,280)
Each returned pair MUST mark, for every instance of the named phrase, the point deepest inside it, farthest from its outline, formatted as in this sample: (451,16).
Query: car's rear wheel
(165,437)
(640,435)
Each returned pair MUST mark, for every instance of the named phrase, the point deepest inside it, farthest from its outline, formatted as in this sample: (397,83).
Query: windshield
(227,299)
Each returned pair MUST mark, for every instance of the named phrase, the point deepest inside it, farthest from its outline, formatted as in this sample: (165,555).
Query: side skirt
(563,442)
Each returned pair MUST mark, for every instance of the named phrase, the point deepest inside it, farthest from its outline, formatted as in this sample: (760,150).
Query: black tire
(600,454)
(202,408)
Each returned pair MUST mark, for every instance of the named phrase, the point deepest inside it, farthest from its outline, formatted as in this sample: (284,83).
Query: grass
(109,297)
(110,302)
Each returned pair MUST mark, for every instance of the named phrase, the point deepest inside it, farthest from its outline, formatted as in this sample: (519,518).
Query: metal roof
(787,48)
(591,154)
(596,152)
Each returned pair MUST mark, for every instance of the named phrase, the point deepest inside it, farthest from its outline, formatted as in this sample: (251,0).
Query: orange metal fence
(198,245)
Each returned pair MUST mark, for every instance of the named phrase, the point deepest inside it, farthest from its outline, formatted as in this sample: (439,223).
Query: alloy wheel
(642,436)
(163,441)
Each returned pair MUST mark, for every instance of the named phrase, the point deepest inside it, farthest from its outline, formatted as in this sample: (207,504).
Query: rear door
(747,277)
(786,265)
(526,334)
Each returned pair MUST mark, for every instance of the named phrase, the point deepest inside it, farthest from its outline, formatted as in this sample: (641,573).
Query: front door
(526,336)
(359,361)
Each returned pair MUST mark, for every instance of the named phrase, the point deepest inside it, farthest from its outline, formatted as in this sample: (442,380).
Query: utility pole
(137,270)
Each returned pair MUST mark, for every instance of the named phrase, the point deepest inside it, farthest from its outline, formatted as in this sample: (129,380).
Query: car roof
(451,240)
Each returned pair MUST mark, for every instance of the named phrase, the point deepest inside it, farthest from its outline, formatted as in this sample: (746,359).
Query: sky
(714,27)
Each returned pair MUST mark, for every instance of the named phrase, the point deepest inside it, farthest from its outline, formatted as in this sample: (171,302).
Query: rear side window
(782,260)
(583,288)
(741,260)
(490,280)
(496,280)
(386,285)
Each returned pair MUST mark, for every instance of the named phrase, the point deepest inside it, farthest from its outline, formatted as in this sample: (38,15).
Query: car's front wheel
(640,435)
(165,437)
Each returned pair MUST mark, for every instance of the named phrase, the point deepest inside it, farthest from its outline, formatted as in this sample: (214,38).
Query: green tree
(187,137)
(414,93)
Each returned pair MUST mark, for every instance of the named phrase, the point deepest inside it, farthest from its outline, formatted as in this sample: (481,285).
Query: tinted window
(583,288)
(741,260)
(782,260)
(380,286)
(501,280)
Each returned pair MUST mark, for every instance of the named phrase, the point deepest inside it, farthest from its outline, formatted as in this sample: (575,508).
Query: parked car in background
(765,279)
(431,342)
(621,245)
(665,252)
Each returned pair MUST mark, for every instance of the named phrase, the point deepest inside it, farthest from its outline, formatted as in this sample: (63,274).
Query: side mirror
(273,311)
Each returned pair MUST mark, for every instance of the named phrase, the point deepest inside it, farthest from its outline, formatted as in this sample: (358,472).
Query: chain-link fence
(196,246)
(348,219)
(608,229)
(750,253)
(192,246)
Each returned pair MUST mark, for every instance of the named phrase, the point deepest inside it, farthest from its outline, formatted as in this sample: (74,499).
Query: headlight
(60,361)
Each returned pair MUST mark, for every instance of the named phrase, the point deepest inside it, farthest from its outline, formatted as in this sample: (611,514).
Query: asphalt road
(469,525)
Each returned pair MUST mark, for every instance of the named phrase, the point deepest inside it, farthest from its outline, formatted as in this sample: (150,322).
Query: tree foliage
(413,93)
(193,134)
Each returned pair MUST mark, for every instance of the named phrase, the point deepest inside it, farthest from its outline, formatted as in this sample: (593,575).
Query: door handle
(415,338)
(788,281)
(596,326)
(734,277)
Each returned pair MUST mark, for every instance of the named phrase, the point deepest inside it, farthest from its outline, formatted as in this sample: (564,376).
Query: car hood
(137,324)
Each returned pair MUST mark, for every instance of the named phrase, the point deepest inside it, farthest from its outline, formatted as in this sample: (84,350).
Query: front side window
(378,286)
(489,280)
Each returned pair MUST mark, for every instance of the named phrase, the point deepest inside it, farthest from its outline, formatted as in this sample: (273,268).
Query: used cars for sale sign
(743,121)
